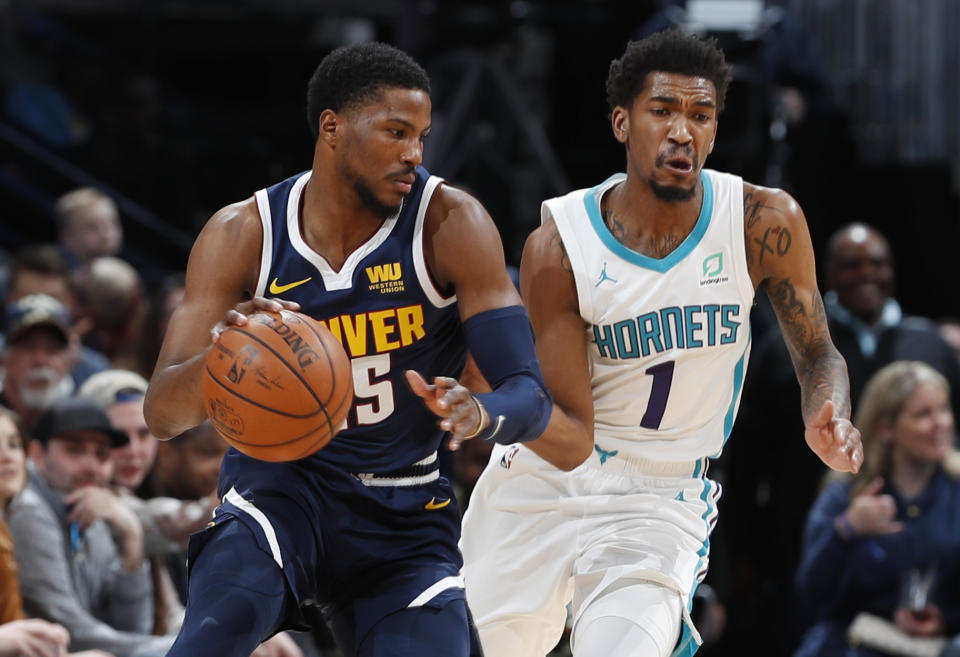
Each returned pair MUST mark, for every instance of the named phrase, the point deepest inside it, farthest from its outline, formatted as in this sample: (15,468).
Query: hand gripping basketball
(278,386)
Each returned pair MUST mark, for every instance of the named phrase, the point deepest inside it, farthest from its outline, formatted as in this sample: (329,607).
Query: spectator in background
(866,322)
(110,302)
(871,538)
(36,357)
(19,637)
(187,470)
(79,547)
(120,394)
(950,332)
(163,301)
(41,269)
(771,484)
(88,225)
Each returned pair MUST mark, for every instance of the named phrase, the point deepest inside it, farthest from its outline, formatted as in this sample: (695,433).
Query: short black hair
(671,51)
(353,74)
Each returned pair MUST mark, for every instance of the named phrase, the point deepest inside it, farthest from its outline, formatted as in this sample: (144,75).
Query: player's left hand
(834,439)
(459,411)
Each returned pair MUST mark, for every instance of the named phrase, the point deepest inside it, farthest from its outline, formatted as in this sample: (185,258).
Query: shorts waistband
(631,465)
(416,474)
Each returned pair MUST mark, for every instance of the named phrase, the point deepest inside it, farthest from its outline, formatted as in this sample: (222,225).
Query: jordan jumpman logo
(604,276)
(604,454)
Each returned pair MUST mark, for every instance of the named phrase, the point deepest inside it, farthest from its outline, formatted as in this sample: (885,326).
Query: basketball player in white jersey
(639,291)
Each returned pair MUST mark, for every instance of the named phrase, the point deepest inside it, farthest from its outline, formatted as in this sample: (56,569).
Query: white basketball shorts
(536,538)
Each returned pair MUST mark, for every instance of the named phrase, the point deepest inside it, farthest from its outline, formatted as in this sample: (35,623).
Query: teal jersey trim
(738,375)
(591,202)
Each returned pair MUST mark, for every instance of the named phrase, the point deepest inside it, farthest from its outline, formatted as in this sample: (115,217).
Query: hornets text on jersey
(668,339)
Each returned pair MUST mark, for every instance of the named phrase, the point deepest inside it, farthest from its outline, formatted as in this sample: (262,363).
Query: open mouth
(679,165)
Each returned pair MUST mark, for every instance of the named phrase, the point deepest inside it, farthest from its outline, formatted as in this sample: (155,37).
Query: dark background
(182,107)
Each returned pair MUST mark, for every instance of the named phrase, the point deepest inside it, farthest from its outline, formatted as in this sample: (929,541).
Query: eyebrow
(674,100)
(406,123)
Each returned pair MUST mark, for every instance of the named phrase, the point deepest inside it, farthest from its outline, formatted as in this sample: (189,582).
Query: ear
(329,127)
(620,122)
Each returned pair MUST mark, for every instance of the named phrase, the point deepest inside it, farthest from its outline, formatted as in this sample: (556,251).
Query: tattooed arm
(780,257)
(550,294)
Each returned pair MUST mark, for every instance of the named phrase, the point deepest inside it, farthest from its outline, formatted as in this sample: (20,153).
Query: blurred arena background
(178,107)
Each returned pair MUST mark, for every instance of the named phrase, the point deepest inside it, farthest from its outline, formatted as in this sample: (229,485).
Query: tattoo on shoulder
(557,242)
(753,207)
(776,239)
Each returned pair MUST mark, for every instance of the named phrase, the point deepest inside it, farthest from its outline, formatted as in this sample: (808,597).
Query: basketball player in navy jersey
(639,291)
(409,273)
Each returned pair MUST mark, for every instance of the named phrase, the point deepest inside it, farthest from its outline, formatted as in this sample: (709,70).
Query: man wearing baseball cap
(80,549)
(37,356)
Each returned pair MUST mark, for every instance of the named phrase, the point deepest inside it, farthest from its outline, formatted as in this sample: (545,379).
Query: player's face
(861,273)
(669,131)
(383,144)
(923,432)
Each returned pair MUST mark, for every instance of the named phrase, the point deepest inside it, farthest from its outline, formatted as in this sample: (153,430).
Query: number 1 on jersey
(659,391)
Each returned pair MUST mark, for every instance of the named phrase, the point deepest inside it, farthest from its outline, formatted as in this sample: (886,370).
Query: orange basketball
(279,388)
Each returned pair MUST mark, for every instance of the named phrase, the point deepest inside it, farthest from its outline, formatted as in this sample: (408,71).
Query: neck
(909,476)
(646,223)
(334,220)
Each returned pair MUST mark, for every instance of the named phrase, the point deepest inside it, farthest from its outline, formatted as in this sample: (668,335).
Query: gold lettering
(356,333)
(410,320)
(382,330)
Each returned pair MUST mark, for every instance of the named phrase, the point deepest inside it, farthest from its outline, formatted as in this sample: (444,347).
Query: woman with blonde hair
(886,542)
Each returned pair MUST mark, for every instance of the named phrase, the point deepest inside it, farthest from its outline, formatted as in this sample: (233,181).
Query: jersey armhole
(738,239)
(429,286)
(554,208)
(266,249)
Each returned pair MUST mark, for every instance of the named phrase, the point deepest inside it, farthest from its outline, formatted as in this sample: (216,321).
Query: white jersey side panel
(668,339)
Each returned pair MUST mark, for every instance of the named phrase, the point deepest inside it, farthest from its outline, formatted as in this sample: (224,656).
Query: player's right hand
(237,316)
(871,513)
(834,439)
(459,411)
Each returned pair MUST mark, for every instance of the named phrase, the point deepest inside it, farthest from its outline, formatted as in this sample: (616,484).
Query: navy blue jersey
(366,526)
(386,311)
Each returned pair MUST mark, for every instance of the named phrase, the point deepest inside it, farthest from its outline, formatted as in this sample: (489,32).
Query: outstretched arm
(780,256)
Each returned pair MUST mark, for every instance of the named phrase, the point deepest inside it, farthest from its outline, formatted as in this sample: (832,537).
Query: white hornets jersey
(667,339)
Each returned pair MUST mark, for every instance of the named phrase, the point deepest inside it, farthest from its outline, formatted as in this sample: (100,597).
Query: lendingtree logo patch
(711,270)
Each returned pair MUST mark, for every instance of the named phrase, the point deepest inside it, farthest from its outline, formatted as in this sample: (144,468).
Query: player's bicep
(549,292)
(780,254)
(219,271)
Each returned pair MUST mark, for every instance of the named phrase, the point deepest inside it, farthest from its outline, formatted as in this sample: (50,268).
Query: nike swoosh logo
(433,504)
(280,289)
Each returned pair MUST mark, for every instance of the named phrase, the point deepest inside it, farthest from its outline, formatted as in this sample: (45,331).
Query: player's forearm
(566,443)
(174,401)
(822,378)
